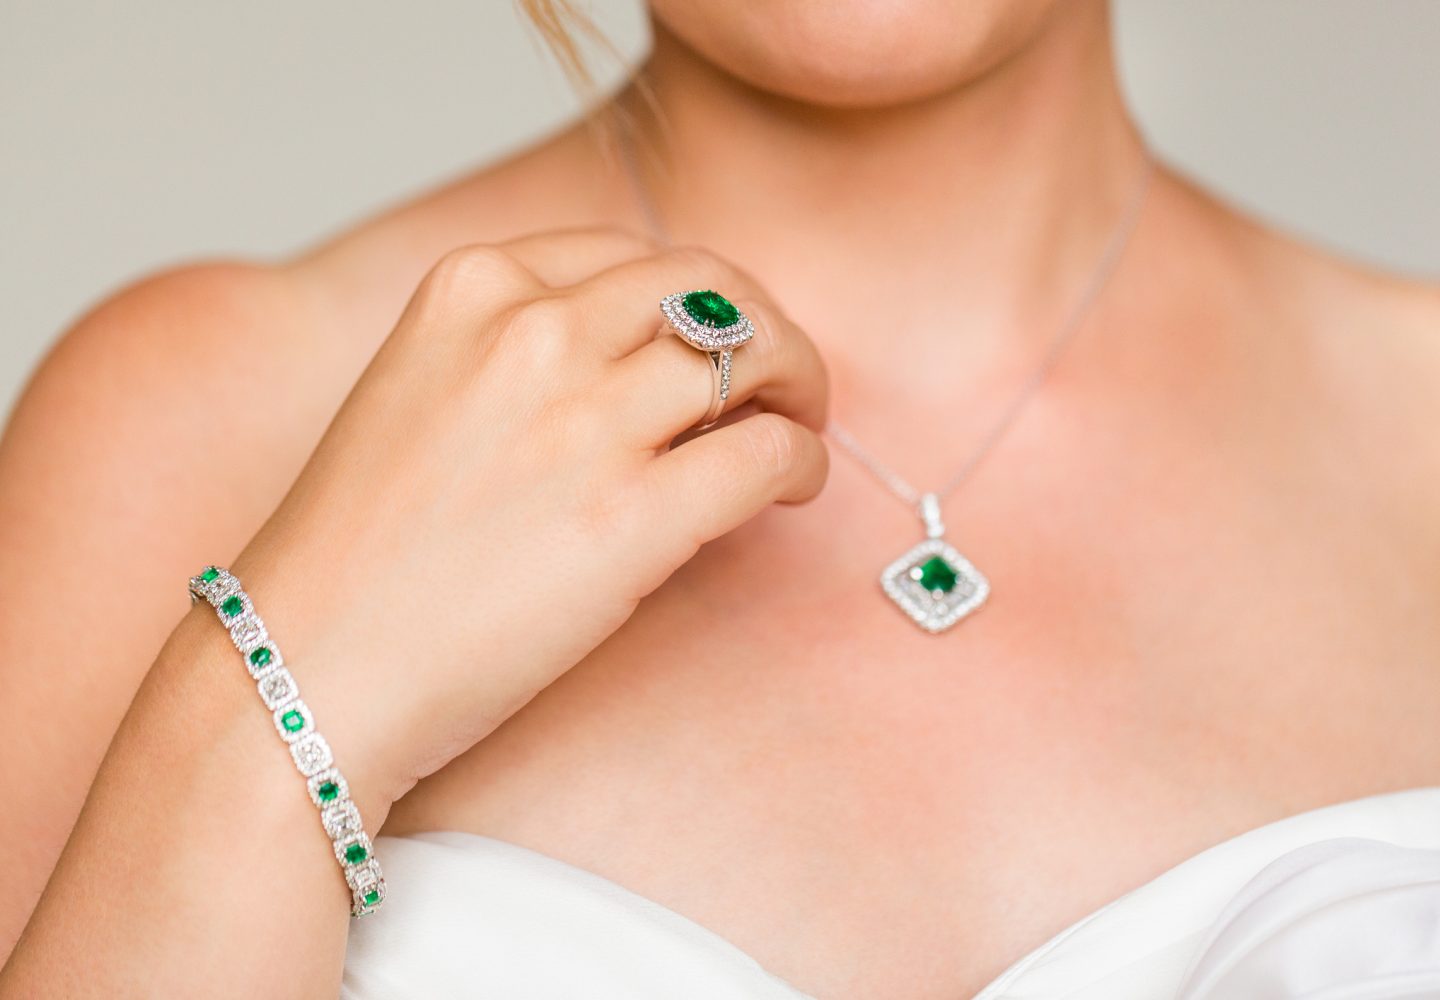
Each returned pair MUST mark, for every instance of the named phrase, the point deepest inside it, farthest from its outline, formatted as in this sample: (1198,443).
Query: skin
(1211,536)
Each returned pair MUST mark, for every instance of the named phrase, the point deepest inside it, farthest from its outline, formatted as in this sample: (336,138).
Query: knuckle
(539,330)
(773,444)
(466,269)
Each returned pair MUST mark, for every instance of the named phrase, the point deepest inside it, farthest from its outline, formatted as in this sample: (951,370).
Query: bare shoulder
(141,368)
(1366,338)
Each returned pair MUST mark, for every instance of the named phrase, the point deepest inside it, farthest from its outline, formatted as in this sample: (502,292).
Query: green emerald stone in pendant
(935,574)
(293,721)
(356,853)
(210,574)
(710,309)
(232,606)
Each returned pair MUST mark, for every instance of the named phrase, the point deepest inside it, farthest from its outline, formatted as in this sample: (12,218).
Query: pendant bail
(930,514)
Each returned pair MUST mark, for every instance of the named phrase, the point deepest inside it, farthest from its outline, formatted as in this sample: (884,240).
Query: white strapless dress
(1340,903)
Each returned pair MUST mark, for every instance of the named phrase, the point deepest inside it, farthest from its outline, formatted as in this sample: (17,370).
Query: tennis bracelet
(296,725)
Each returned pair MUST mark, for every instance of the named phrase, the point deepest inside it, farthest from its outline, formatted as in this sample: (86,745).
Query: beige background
(140,134)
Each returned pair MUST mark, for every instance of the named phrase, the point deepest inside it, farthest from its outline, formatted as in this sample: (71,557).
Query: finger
(621,305)
(717,481)
(665,386)
(567,256)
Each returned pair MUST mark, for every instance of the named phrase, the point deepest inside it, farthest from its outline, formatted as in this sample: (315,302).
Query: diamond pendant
(933,583)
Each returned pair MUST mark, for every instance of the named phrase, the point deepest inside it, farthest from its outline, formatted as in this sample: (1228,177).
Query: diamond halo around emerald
(707,319)
(935,585)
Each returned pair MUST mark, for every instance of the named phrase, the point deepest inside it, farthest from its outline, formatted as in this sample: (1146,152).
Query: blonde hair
(561,26)
(564,29)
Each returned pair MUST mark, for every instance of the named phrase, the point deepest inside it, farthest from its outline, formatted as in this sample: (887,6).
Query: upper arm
(113,479)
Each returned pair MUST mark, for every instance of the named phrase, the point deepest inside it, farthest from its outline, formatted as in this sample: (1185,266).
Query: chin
(854,53)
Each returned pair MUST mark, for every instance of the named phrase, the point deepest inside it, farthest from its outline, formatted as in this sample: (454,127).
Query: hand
(498,491)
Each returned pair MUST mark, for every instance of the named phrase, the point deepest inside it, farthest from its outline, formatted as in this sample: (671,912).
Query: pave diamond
(353,850)
(935,585)
(277,687)
(367,887)
(263,659)
(328,786)
(311,754)
(341,819)
(233,607)
(215,589)
(293,721)
(247,633)
(705,336)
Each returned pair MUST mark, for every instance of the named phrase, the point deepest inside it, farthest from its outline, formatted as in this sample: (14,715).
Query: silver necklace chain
(884,474)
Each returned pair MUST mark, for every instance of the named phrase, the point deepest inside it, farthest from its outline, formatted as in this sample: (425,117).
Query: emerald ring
(709,322)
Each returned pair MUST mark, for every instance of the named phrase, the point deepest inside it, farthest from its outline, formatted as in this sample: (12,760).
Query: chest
(772,749)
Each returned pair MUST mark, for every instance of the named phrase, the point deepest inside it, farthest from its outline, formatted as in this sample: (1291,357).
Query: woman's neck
(996,196)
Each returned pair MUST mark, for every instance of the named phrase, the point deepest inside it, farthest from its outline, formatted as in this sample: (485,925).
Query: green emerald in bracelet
(372,897)
(260,656)
(210,574)
(356,853)
(328,792)
(293,721)
(232,606)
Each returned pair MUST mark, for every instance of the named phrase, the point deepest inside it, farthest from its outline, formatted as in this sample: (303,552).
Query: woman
(1196,486)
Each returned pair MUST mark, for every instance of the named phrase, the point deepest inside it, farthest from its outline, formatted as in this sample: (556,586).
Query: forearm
(198,865)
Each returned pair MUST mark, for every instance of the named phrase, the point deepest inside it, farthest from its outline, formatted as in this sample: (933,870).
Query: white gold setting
(346,844)
(367,887)
(316,781)
(311,754)
(259,670)
(697,334)
(938,609)
(295,723)
(247,633)
(287,713)
(247,610)
(341,819)
(276,687)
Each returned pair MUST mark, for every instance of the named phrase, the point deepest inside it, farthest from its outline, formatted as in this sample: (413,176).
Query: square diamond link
(364,879)
(353,841)
(311,754)
(247,632)
(329,774)
(274,663)
(246,608)
(217,589)
(341,819)
(277,687)
(934,610)
(307,721)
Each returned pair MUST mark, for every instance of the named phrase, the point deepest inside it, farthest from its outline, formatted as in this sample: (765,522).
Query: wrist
(342,813)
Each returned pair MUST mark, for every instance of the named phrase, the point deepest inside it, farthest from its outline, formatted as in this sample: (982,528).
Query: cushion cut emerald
(293,721)
(328,791)
(356,853)
(260,656)
(935,574)
(710,308)
(232,606)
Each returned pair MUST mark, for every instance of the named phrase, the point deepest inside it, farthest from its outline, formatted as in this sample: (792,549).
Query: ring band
(719,386)
(709,322)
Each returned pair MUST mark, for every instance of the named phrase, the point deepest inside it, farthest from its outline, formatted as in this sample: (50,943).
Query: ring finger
(666,386)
